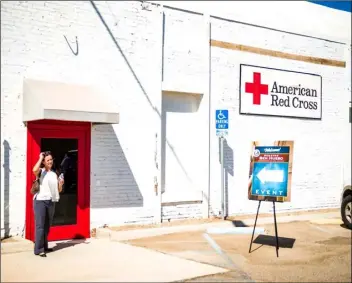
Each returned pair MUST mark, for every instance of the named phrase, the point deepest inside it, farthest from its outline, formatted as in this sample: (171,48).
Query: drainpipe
(208,96)
(159,188)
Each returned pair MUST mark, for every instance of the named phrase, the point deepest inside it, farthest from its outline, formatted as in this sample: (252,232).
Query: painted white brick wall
(33,45)
(181,211)
(301,17)
(123,156)
(317,157)
(314,186)
(185,117)
(347,99)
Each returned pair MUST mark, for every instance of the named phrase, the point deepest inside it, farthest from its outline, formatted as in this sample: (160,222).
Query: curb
(105,233)
(331,221)
(20,245)
(119,236)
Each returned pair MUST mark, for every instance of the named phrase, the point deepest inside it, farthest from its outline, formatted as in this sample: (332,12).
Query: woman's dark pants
(44,213)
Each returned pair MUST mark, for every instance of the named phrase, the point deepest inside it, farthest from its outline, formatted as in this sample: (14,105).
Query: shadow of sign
(228,170)
(268,240)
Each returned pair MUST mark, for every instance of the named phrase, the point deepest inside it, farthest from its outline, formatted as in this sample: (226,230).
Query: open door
(69,143)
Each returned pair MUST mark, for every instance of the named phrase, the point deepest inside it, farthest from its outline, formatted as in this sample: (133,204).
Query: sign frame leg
(276,233)
(255,224)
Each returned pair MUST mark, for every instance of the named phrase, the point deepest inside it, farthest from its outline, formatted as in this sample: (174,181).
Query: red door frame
(61,129)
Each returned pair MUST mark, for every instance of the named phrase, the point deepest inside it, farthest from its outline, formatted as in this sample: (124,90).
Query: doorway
(69,143)
(65,157)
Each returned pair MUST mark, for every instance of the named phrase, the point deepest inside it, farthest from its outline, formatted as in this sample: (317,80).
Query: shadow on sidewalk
(62,245)
(344,226)
(268,240)
(238,223)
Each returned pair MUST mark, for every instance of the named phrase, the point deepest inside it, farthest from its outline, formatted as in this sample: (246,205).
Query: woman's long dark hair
(45,154)
(55,168)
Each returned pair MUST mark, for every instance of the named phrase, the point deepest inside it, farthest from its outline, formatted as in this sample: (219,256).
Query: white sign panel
(275,92)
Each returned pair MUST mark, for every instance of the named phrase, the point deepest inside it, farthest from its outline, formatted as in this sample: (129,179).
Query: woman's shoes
(43,254)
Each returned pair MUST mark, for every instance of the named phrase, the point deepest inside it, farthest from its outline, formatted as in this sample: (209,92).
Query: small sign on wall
(222,122)
(271,171)
(283,93)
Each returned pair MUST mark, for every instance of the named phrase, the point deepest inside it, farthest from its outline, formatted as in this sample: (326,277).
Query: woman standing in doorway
(44,201)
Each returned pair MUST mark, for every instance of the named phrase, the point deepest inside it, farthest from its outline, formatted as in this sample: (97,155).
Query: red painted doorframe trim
(64,126)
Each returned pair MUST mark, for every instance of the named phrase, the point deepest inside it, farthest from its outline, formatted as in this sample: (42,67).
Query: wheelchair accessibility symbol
(222,119)
(221,116)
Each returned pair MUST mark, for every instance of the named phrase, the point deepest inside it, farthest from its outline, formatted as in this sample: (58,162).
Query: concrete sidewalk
(106,233)
(16,245)
(106,259)
(98,261)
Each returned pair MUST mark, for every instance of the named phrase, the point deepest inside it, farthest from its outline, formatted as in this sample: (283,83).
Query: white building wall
(185,116)
(317,156)
(123,156)
(314,185)
(300,17)
(347,99)
(33,46)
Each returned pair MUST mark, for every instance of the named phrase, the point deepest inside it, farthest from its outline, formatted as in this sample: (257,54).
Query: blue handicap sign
(222,119)
(270,171)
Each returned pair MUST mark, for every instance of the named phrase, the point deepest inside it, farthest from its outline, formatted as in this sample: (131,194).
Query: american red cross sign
(283,93)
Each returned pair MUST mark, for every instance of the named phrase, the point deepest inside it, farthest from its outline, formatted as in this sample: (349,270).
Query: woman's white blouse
(49,189)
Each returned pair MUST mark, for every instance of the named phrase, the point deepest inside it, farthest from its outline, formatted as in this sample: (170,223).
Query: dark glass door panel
(65,155)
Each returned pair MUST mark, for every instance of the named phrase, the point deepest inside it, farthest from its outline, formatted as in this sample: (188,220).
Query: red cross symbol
(256,88)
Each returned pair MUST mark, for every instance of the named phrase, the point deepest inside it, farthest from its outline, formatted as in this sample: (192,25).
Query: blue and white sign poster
(271,171)
(222,122)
